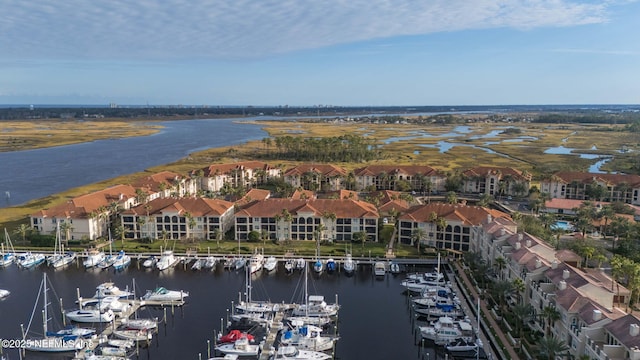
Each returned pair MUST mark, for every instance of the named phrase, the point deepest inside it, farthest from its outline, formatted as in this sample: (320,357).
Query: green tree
(550,347)
(551,315)
(417,236)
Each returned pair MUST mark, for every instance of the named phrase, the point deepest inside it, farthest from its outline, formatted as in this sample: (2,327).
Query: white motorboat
(198,264)
(225,357)
(256,262)
(121,343)
(293,353)
(380,268)
(240,347)
(30,260)
(94,257)
(289,265)
(109,289)
(150,262)
(163,294)
(271,263)
(417,285)
(48,343)
(106,262)
(8,256)
(73,331)
(307,337)
(239,263)
(210,262)
(464,346)
(300,264)
(311,320)
(113,351)
(440,311)
(4,293)
(106,303)
(349,265)
(122,261)
(90,316)
(133,334)
(167,260)
(432,301)
(394,268)
(90,355)
(446,330)
(140,324)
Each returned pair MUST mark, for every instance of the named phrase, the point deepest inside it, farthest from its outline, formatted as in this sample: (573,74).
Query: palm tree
(23,230)
(551,314)
(519,288)
(417,235)
(140,221)
(361,237)
(500,291)
(191,223)
(550,347)
(441,224)
(523,313)
(66,228)
(452,197)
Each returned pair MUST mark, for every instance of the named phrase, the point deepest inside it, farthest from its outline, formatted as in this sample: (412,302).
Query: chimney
(538,263)
(562,285)
(634,329)
(597,315)
(502,231)
(518,245)
(565,274)
(489,218)
(528,243)
(520,237)
(554,264)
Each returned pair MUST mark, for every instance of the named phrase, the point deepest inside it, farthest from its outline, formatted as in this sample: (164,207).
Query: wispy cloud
(227,29)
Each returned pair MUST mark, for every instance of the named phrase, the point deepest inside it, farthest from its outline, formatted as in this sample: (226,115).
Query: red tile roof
(468,215)
(82,206)
(194,206)
(211,170)
(412,170)
(483,171)
(324,169)
(342,208)
(587,178)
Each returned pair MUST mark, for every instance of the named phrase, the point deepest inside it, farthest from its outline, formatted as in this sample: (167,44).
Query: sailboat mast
(44,310)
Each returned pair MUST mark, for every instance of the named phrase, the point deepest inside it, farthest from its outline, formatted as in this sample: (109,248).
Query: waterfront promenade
(508,352)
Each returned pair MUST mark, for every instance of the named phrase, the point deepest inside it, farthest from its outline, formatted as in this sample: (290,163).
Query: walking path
(508,346)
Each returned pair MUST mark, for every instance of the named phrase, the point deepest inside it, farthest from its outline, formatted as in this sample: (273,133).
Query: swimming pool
(562,225)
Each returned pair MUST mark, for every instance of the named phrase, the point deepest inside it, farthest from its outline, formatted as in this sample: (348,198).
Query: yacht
(379,268)
(256,262)
(30,260)
(271,263)
(349,265)
(167,260)
(307,337)
(90,316)
(293,353)
(122,261)
(446,330)
(240,347)
(109,289)
(162,294)
(94,257)
(316,307)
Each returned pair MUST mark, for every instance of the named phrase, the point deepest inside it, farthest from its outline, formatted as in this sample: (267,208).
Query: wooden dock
(134,306)
(272,336)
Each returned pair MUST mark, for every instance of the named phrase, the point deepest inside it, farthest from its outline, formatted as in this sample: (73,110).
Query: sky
(320,52)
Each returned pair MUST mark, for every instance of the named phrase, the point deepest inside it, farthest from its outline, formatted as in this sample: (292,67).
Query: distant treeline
(345,148)
(444,114)
(588,118)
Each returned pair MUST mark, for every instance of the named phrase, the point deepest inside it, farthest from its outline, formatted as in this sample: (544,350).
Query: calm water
(33,174)
(374,321)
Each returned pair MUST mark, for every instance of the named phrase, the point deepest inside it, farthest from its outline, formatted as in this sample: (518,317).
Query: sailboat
(315,310)
(108,260)
(9,256)
(249,306)
(49,343)
(59,257)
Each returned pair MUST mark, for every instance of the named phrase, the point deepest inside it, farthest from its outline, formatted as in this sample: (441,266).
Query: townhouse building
(580,186)
(308,219)
(456,224)
(86,216)
(243,174)
(178,218)
(418,178)
(164,184)
(496,181)
(316,177)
